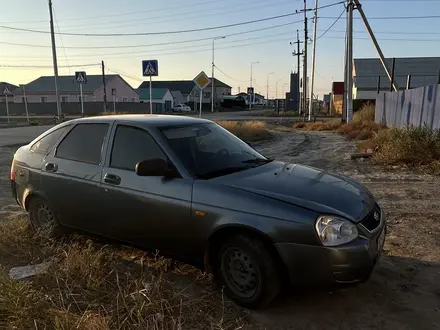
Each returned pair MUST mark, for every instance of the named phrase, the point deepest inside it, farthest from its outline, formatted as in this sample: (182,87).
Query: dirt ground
(404,291)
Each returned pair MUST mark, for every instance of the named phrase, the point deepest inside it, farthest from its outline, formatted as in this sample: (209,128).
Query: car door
(147,211)
(71,175)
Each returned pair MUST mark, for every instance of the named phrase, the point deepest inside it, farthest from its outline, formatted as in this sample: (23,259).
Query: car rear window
(45,144)
(83,143)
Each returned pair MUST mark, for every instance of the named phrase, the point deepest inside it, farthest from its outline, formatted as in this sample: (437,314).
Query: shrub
(251,131)
(366,113)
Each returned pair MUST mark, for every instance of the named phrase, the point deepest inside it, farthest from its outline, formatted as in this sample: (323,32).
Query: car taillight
(12,170)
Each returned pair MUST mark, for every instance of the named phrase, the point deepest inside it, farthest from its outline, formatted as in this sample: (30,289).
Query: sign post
(250,91)
(114,99)
(6,92)
(150,69)
(25,102)
(81,78)
(201,80)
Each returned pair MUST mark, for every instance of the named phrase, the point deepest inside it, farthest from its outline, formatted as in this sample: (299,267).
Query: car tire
(247,271)
(42,217)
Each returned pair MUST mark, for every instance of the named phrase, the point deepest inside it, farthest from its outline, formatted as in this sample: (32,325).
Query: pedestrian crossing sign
(81,77)
(6,91)
(150,68)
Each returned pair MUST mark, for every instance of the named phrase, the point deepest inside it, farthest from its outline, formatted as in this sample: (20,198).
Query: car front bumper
(350,263)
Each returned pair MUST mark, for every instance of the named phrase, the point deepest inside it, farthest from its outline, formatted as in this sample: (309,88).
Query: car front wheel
(248,272)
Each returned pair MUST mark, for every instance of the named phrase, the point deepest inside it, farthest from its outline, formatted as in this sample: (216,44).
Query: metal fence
(413,107)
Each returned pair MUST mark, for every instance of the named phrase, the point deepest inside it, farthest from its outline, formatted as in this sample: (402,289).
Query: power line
(165,32)
(47,66)
(156,44)
(330,27)
(191,15)
(226,75)
(390,17)
(122,14)
(101,55)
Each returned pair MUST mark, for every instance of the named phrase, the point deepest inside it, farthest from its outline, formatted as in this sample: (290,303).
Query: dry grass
(415,147)
(356,130)
(366,113)
(273,113)
(95,286)
(251,131)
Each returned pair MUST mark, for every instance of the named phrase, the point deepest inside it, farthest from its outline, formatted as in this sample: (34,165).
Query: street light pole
(267,86)
(212,76)
(250,96)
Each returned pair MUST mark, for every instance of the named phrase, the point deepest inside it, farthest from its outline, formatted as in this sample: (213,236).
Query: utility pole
(312,83)
(55,62)
(105,86)
(267,87)
(298,54)
(349,80)
(374,40)
(306,39)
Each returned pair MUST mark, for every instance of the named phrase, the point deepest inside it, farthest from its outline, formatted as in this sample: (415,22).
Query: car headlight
(333,231)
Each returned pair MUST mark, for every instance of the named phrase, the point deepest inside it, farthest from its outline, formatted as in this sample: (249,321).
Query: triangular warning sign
(6,91)
(149,70)
(80,78)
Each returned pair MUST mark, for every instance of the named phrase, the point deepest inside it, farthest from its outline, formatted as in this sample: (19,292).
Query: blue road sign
(81,77)
(150,68)
(250,90)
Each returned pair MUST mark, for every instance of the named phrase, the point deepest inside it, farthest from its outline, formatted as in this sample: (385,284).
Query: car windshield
(210,151)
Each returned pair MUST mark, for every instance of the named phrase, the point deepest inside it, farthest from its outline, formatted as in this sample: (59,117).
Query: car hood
(306,187)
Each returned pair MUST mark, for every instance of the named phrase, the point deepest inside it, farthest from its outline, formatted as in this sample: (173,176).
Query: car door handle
(51,167)
(112,179)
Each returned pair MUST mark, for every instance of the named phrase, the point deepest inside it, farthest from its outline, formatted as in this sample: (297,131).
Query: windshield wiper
(258,161)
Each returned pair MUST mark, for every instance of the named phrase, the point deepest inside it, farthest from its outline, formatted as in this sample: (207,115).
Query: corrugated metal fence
(413,107)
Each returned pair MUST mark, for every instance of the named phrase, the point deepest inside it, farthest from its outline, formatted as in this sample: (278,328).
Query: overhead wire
(167,32)
(157,44)
(331,26)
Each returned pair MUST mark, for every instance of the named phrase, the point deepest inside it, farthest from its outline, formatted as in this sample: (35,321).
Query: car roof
(151,120)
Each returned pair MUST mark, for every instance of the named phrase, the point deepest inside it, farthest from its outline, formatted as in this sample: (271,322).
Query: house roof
(256,95)
(66,84)
(11,87)
(424,71)
(183,86)
(157,93)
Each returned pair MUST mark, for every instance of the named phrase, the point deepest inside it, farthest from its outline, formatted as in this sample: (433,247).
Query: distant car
(181,108)
(192,190)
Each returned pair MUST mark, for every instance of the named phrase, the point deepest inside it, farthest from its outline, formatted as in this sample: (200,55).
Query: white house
(162,99)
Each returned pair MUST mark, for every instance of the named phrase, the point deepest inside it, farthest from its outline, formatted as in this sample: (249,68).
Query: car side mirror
(154,167)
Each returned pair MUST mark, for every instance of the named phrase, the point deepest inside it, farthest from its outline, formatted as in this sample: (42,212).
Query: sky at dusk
(184,55)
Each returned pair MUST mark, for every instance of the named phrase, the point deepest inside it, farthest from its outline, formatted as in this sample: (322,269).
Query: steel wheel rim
(44,216)
(240,272)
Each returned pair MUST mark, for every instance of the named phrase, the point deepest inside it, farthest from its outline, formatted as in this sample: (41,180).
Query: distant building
(257,99)
(292,101)
(337,100)
(178,97)
(189,90)
(424,71)
(9,89)
(162,99)
(42,90)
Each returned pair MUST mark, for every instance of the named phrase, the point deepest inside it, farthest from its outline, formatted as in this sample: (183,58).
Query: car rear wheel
(42,217)
(248,272)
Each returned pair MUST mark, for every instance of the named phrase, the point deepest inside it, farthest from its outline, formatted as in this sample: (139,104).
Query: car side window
(45,144)
(132,145)
(83,143)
